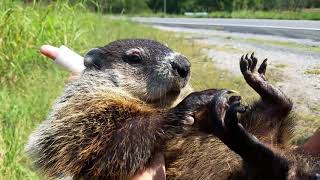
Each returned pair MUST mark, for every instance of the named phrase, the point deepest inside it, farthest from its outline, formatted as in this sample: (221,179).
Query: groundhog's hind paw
(248,68)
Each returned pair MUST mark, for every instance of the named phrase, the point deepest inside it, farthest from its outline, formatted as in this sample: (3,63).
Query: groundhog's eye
(133,55)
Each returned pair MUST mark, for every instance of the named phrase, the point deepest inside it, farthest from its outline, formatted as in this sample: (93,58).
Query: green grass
(314,71)
(306,124)
(309,14)
(30,83)
(280,66)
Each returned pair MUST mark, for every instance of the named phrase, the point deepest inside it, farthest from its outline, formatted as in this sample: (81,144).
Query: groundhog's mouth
(167,97)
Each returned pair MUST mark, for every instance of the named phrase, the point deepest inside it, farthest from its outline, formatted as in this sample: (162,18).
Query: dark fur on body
(110,122)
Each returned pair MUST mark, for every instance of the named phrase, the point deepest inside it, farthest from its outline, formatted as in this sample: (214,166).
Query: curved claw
(230,91)
(249,61)
(247,56)
(252,55)
(254,62)
(263,67)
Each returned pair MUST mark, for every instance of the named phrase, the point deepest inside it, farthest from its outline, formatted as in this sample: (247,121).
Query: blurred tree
(118,6)
(155,5)
(181,6)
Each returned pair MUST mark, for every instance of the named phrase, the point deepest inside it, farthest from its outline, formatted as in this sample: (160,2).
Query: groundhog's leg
(259,161)
(273,107)
(269,94)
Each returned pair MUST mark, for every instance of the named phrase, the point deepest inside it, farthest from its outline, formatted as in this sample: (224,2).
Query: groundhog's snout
(94,58)
(181,67)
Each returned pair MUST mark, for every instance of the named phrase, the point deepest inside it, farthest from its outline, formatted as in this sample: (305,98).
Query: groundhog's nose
(94,58)
(182,67)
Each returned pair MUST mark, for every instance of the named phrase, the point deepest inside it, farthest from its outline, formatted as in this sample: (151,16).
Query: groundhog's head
(146,68)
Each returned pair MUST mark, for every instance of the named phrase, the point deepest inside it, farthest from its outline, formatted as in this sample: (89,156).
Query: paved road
(300,29)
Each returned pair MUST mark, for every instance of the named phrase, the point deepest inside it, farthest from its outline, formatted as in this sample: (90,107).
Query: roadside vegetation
(303,14)
(30,83)
(315,71)
(258,9)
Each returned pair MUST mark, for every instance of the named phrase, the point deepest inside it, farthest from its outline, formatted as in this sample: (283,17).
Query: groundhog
(133,101)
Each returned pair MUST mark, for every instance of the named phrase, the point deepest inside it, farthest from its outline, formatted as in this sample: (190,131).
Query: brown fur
(87,125)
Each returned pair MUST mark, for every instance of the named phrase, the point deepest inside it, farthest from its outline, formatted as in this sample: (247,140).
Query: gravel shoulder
(293,58)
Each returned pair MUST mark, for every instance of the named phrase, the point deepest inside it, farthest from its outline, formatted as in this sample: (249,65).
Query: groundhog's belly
(200,157)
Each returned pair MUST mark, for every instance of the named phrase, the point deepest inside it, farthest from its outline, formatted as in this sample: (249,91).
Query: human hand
(52,53)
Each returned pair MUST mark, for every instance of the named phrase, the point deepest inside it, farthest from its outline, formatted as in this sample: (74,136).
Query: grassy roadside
(314,71)
(304,14)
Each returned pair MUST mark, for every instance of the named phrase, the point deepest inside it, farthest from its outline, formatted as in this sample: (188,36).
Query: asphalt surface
(299,29)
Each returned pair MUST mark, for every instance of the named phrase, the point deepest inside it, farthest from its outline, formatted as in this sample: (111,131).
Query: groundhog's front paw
(223,105)
(248,69)
(231,119)
(194,103)
(224,110)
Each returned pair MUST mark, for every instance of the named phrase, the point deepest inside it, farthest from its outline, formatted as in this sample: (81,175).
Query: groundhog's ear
(94,59)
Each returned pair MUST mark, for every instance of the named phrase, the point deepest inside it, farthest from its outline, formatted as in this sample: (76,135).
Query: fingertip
(244,62)
(265,63)
(265,60)
(247,56)
(49,51)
